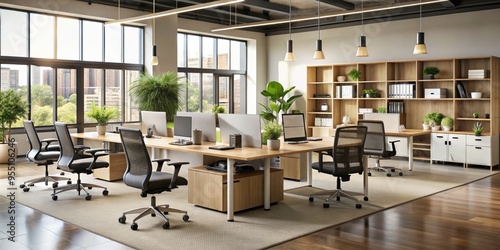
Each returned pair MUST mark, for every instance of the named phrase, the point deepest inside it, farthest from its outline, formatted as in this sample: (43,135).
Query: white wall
(450,36)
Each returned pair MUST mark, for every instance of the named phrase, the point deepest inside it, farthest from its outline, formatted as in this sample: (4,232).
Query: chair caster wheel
(54,197)
(326,205)
(122,219)
(393,170)
(69,182)
(311,199)
(55,185)
(62,173)
(153,215)
(88,197)
(89,188)
(134,226)
(388,174)
(369,174)
(185,217)
(338,198)
(400,174)
(22,186)
(26,189)
(166,225)
(31,184)
(358,206)
(105,192)
(365,198)
(165,213)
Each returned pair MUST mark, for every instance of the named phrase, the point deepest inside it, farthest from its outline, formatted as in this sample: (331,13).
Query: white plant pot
(8,153)
(446,128)
(101,130)
(426,127)
(436,127)
(273,144)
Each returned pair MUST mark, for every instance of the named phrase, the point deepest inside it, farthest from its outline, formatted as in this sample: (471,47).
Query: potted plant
(277,101)
(158,93)
(475,115)
(426,121)
(431,71)
(272,132)
(102,115)
(370,93)
(447,123)
(381,109)
(478,128)
(435,120)
(13,107)
(216,109)
(354,74)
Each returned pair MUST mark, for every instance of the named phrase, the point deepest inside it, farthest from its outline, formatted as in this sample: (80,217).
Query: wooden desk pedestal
(117,166)
(208,188)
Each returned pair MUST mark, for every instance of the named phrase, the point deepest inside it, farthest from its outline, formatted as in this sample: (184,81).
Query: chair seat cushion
(159,181)
(47,155)
(330,168)
(82,165)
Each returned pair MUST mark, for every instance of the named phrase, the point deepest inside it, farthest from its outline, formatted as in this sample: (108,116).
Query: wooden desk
(409,133)
(238,154)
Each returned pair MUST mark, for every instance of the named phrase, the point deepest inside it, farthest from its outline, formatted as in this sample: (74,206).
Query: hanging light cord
(420,15)
(118,9)
(154,21)
(290,18)
(319,35)
(362,15)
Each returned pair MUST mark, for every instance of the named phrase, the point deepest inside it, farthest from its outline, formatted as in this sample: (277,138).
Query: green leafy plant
(370,93)
(277,101)
(272,131)
(13,107)
(427,119)
(431,71)
(435,118)
(478,128)
(216,109)
(102,114)
(447,121)
(354,74)
(158,93)
(381,109)
(475,115)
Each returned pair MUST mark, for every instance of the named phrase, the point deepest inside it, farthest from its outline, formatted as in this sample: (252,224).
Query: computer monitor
(248,126)
(204,122)
(294,129)
(156,120)
(182,128)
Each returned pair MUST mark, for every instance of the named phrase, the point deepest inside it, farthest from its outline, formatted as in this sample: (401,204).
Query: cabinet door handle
(439,136)
(478,139)
(235,181)
(478,147)
(454,137)
(449,142)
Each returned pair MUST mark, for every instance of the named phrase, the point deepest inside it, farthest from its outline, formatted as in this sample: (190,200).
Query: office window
(93,80)
(68,38)
(66,95)
(15,76)
(42,95)
(133,44)
(14,27)
(113,43)
(113,92)
(220,78)
(92,41)
(42,36)
(130,112)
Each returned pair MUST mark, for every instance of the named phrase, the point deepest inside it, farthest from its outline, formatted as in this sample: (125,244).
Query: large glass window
(133,44)
(14,27)
(66,95)
(113,83)
(181,50)
(42,95)
(68,38)
(113,45)
(42,36)
(14,76)
(193,51)
(92,41)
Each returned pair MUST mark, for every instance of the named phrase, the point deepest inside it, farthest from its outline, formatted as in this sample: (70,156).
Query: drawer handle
(235,181)
(478,148)
(454,137)
(439,136)
(478,139)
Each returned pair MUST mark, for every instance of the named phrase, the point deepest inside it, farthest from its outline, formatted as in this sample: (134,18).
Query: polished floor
(466,217)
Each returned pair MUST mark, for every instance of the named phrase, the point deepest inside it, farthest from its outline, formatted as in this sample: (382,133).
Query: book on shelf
(402,90)
(396,107)
(478,73)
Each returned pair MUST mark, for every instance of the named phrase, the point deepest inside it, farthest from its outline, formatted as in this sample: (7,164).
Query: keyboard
(181,143)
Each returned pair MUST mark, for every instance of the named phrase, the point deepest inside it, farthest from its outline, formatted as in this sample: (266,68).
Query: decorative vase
(346,119)
(8,153)
(341,78)
(425,126)
(436,127)
(101,129)
(446,128)
(273,144)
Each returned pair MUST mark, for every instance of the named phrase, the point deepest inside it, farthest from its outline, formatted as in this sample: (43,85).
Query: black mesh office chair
(71,160)
(376,146)
(347,154)
(41,153)
(140,174)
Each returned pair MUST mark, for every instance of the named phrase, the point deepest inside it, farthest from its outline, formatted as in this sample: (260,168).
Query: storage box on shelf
(474,74)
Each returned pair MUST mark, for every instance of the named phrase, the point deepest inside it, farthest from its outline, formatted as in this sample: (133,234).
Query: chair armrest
(47,142)
(177,166)
(96,153)
(160,162)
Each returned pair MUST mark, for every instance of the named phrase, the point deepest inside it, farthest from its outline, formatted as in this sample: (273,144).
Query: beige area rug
(253,229)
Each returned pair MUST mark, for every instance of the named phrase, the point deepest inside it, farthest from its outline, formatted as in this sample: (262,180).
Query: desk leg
(365,177)
(410,153)
(267,184)
(309,169)
(230,189)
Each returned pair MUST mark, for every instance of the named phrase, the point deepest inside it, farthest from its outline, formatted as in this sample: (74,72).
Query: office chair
(41,153)
(375,146)
(139,174)
(74,160)
(347,154)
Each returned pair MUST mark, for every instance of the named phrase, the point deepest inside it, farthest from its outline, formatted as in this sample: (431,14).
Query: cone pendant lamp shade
(362,50)
(318,54)
(154,60)
(420,47)
(290,57)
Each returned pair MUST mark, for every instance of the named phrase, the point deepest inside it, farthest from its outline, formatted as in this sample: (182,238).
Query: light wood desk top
(409,133)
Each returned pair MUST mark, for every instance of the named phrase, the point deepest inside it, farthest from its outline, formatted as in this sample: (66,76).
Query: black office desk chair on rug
(71,161)
(375,146)
(347,157)
(139,174)
(41,153)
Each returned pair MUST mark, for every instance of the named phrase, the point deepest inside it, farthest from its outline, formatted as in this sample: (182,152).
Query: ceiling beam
(267,6)
(451,3)
(339,3)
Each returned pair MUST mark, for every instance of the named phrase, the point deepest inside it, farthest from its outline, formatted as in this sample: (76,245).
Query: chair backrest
(33,139)
(139,167)
(66,146)
(348,146)
(375,138)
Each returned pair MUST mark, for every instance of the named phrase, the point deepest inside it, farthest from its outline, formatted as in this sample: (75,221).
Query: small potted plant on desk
(102,115)
(447,123)
(370,93)
(272,132)
(431,71)
(478,128)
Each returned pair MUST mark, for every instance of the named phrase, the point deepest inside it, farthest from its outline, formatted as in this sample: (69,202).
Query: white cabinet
(448,147)
(401,146)
(482,150)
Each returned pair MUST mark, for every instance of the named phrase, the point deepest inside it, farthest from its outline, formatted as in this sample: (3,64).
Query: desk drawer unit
(483,150)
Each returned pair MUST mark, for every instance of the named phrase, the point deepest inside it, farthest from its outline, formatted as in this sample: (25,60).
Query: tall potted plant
(278,103)
(102,115)
(13,107)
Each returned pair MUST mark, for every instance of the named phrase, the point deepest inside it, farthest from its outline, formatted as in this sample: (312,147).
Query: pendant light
(420,47)
(154,60)
(318,54)
(362,50)
(290,57)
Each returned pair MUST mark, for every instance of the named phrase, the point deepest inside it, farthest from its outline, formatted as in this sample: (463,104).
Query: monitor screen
(182,128)
(294,129)
(156,120)
(204,122)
